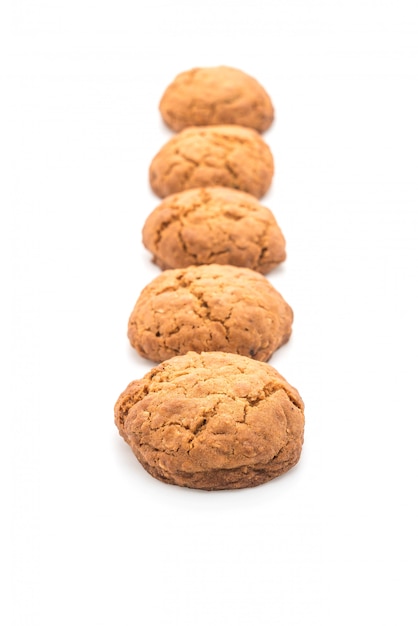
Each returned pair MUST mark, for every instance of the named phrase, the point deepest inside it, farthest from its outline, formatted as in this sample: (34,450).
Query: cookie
(216,95)
(208,156)
(209,307)
(214,225)
(212,421)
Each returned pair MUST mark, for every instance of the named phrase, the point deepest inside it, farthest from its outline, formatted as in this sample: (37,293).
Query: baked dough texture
(214,225)
(207,156)
(216,95)
(209,307)
(212,421)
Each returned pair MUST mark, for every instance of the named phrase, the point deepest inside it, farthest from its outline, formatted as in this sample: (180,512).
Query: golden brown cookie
(216,95)
(209,307)
(207,156)
(214,225)
(212,421)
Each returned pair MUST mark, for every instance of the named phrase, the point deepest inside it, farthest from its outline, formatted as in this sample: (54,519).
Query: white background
(89,537)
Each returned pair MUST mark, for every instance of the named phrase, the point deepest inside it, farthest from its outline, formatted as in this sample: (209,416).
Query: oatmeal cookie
(207,156)
(214,225)
(212,421)
(216,95)
(209,307)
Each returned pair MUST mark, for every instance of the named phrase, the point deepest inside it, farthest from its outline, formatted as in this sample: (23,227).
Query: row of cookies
(211,310)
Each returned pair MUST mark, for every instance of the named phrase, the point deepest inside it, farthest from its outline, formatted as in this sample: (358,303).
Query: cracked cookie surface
(216,95)
(209,307)
(214,225)
(207,156)
(212,421)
